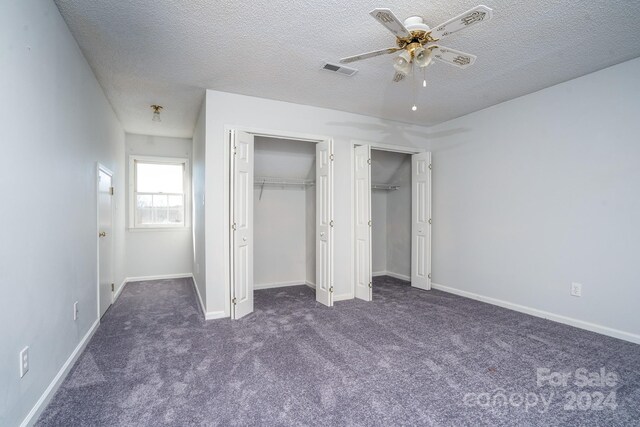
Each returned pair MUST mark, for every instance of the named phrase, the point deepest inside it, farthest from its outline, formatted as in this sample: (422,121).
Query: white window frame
(186,181)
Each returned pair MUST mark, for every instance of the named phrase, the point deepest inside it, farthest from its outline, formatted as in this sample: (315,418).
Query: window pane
(175,201)
(159,201)
(144,201)
(159,178)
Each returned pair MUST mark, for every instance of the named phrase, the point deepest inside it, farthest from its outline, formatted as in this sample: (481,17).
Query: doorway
(105,238)
(392,216)
(246,190)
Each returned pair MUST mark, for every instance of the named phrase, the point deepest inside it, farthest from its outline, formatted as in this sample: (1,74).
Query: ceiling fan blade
(389,20)
(453,57)
(369,55)
(470,17)
(398,77)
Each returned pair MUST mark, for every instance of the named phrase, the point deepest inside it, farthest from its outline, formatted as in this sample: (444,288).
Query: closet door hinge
(235,150)
(331,157)
(370,223)
(429,166)
(233,226)
(111,191)
(331,223)
(429,275)
(233,301)
(331,289)
(370,285)
(113,287)
(368,161)
(429,221)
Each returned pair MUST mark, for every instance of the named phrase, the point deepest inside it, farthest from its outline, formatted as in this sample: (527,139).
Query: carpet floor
(410,357)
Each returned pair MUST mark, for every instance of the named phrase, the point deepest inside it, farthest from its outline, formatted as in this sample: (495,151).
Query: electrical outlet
(75,310)
(576,289)
(24,361)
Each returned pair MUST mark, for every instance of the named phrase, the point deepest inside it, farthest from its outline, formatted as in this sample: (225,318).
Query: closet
(284,213)
(391,214)
(281,215)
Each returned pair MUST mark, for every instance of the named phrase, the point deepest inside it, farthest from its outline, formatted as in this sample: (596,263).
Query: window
(158,192)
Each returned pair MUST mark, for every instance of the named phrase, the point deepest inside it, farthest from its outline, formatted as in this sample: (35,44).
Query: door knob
(321,233)
(102,234)
(244,239)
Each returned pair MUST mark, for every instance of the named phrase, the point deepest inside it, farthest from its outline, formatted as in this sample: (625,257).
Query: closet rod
(384,187)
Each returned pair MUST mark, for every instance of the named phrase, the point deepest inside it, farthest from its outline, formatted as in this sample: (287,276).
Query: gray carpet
(410,357)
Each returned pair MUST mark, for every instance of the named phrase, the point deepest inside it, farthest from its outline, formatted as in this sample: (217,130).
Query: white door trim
(228,131)
(374,146)
(100,168)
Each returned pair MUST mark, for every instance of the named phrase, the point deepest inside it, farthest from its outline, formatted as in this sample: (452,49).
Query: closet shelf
(266,180)
(384,187)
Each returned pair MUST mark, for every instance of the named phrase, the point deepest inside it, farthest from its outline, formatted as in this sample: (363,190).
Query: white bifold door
(362,190)
(241,214)
(421,221)
(324,223)
(420,227)
(241,224)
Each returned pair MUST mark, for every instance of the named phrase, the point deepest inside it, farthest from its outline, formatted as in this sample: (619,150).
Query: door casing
(380,147)
(229,130)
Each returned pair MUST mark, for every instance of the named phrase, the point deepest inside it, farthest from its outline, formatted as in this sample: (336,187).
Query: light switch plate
(576,289)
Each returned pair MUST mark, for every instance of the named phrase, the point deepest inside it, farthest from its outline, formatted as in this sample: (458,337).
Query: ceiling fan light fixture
(403,63)
(422,56)
(156,113)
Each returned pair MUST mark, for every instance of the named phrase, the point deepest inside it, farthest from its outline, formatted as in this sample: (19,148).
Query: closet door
(324,223)
(362,193)
(421,221)
(242,225)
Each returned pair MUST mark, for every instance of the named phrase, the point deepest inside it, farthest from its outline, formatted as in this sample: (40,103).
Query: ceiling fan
(417,40)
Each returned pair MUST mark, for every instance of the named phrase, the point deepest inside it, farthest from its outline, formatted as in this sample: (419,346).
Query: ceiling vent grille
(339,69)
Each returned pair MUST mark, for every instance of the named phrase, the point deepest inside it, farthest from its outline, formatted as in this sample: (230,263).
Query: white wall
(279,236)
(399,221)
(238,110)
(379,231)
(199,266)
(283,214)
(55,124)
(158,252)
(541,191)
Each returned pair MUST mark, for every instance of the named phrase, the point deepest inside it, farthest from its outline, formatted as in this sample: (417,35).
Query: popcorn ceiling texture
(167,52)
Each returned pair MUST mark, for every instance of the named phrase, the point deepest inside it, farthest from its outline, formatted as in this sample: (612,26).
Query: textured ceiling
(168,51)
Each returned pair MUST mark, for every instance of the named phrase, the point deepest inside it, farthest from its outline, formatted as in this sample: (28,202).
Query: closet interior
(284,213)
(391,214)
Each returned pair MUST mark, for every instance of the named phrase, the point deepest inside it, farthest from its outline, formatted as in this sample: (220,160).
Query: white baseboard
(160,277)
(208,315)
(399,276)
(391,274)
(42,403)
(212,315)
(119,291)
(309,284)
(279,284)
(342,297)
(604,330)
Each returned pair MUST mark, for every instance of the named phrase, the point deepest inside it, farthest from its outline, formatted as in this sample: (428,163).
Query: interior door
(421,221)
(242,224)
(105,240)
(362,190)
(324,223)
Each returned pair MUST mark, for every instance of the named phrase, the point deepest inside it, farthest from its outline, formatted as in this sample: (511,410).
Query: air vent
(339,69)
